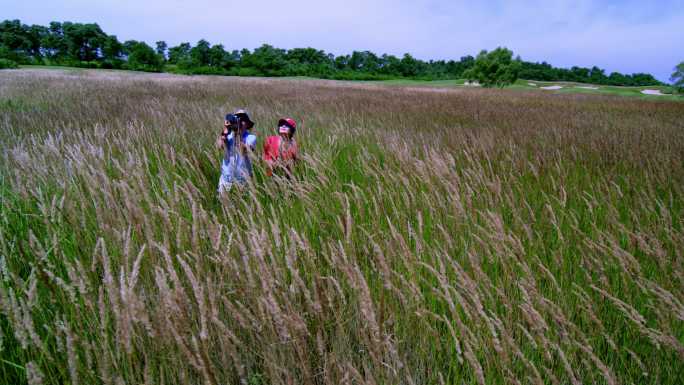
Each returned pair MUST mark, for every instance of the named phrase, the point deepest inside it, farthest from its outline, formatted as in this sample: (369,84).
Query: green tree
(410,66)
(14,41)
(617,79)
(112,52)
(494,69)
(35,36)
(111,48)
(232,59)
(677,77)
(200,54)
(342,62)
(364,61)
(142,57)
(218,57)
(161,49)
(83,41)
(579,74)
(54,44)
(391,65)
(456,69)
(308,61)
(6,63)
(307,56)
(180,54)
(268,60)
(642,79)
(597,75)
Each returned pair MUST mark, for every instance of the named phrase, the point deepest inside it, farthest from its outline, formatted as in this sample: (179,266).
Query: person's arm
(267,146)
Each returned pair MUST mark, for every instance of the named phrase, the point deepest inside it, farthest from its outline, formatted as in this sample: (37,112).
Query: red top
(274,151)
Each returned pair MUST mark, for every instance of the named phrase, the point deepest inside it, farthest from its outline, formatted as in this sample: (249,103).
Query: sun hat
(244,116)
(289,122)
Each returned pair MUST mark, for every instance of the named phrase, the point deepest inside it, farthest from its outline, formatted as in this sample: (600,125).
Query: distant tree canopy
(86,45)
(677,77)
(61,43)
(545,72)
(494,69)
(142,57)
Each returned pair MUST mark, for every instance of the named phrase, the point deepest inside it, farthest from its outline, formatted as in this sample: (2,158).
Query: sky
(627,36)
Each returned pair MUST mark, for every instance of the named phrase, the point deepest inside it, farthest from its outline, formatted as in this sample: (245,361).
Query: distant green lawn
(431,83)
(64,68)
(568,87)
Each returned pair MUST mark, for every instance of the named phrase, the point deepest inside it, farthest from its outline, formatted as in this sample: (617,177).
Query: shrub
(7,64)
(495,69)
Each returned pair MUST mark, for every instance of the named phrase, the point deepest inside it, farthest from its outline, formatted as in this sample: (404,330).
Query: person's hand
(244,147)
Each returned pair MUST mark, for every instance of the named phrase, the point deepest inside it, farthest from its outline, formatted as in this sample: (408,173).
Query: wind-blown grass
(430,236)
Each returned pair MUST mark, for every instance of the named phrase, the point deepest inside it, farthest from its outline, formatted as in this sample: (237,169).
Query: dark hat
(244,116)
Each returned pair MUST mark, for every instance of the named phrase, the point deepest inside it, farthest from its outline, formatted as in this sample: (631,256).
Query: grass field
(430,236)
(519,85)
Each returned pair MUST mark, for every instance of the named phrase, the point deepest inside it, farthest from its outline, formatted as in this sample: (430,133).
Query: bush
(87,64)
(205,70)
(141,57)
(246,71)
(494,69)
(351,75)
(6,64)
(112,64)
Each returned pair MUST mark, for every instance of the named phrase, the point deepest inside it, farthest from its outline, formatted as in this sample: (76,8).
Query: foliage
(545,72)
(6,63)
(60,43)
(677,77)
(495,69)
(142,57)
(161,48)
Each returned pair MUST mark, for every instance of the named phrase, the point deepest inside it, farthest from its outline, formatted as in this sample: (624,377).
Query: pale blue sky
(617,35)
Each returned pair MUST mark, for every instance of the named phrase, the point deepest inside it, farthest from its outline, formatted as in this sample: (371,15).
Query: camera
(234,126)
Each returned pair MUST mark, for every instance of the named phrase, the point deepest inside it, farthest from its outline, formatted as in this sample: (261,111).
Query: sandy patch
(652,92)
(588,87)
(551,88)
(532,84)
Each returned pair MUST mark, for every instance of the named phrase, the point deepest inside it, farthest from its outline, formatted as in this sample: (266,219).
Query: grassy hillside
(430,235)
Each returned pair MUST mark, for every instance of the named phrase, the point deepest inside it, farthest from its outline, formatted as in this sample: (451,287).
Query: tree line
(86,45)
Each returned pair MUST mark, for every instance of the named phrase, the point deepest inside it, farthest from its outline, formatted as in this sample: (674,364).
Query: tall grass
(430,236)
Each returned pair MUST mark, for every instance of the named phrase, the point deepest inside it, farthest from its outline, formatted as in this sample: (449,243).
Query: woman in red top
(280,152)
